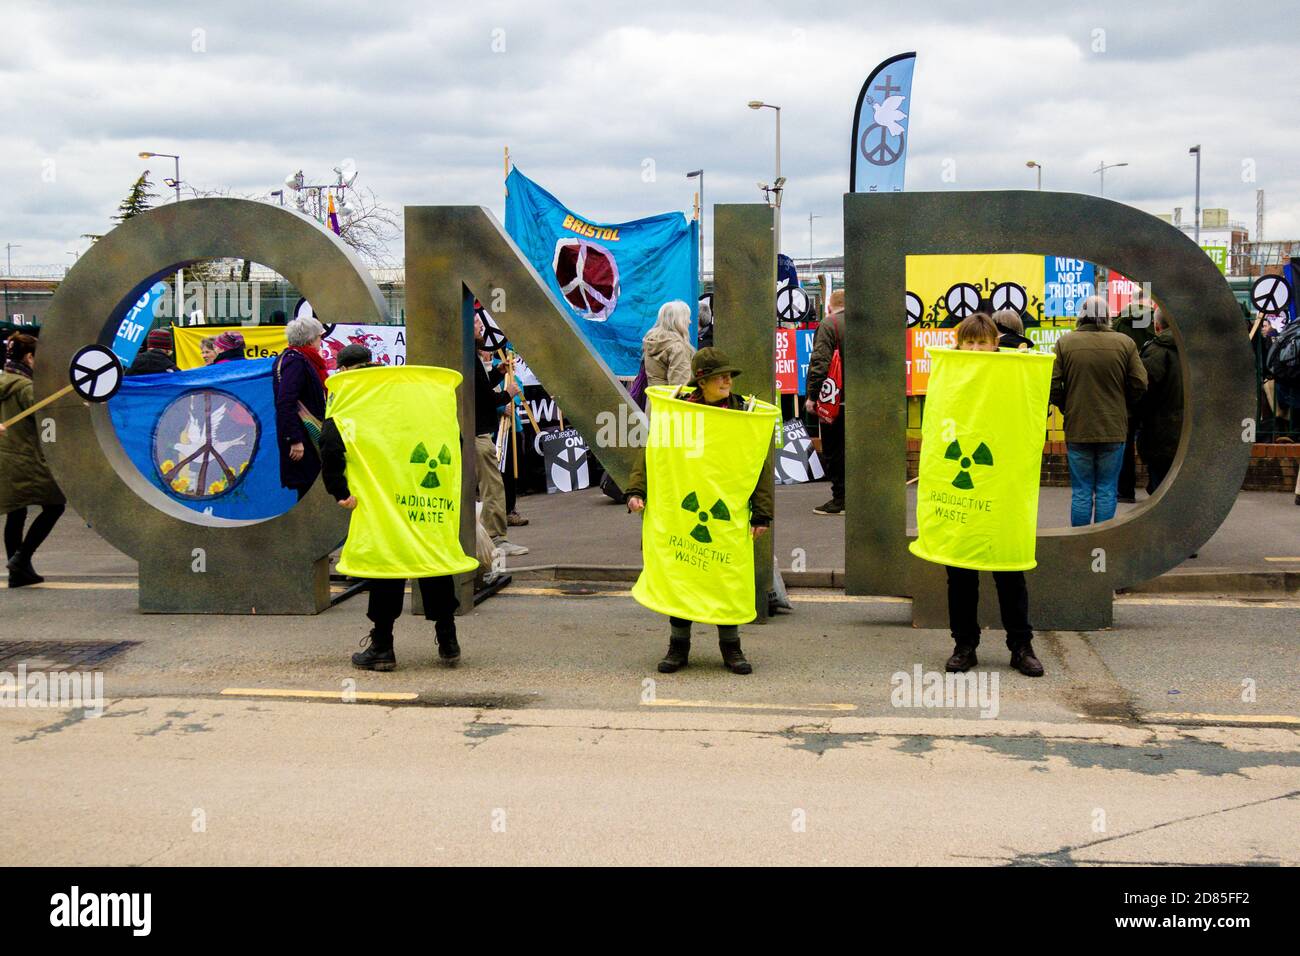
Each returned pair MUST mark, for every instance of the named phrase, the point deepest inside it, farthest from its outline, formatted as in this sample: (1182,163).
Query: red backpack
(831,395)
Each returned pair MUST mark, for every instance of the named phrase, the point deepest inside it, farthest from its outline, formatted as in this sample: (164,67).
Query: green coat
(1097,378)
(762,503)
(1162,408)
(25,479)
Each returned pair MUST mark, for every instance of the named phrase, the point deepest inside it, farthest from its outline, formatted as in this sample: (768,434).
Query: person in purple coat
(298,375)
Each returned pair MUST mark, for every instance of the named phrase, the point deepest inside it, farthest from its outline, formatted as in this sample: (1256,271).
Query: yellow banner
(402,437)
(1004,279)
(702,465)
(260,341)
(981,458)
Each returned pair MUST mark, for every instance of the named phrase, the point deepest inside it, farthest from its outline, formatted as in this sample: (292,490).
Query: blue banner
(881,122)
(136,324)
(612,276)
(803,346)
(1066,283)
(206,437)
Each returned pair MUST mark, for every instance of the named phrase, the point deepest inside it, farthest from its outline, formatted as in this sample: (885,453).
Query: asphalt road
(1171,738)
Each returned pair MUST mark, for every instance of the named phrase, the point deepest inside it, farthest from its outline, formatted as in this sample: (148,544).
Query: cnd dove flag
(880,128)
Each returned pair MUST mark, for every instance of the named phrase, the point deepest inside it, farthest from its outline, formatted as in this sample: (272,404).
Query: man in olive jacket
(1097,378)
(1162,408)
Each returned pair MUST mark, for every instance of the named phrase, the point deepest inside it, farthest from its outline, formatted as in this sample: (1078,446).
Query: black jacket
(230,355)
(333,461)
(1161,410)
(488,402)
(151,362)
(1010,339)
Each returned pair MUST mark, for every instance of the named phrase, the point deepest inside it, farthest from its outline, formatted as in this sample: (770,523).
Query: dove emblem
(887,114)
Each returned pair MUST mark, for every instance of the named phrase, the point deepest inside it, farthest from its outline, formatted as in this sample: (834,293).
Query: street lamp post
(1101,168)
(1039,168)
(692,175)
(1196,223)
(811,217)
(180,273)
(779,184)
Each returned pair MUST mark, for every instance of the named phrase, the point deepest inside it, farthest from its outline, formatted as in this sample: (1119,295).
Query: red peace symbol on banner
(882,152)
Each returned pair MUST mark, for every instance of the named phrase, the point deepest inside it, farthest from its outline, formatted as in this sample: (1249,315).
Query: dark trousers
(508,476)
(682,630)
(40,529)
(386,595)
(964,600)
(1157,467)
(833,454)
(1128,467)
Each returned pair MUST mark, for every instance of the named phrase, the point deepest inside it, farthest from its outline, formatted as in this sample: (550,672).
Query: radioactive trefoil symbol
(981,456)
(701,531)
(421,457)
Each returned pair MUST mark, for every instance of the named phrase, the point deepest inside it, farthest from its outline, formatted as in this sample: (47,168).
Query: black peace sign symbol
(95,373)
(791,303)
(962,300)
(1270,295)
(1009,295)
(882,153)
(914,309)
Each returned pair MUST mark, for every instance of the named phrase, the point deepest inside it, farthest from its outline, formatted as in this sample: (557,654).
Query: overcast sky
(585,95)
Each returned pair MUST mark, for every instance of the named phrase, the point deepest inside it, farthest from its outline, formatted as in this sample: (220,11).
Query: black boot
(378,654)
(963,659)
(676,658)
(448,648)
(21,572)
(1024,660)
(734,658)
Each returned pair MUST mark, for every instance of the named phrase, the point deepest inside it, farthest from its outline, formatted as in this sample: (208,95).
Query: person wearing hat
(713,375)
(156,356)
(230,348)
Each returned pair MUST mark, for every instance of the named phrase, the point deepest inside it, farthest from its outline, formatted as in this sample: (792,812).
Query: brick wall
(1272,467)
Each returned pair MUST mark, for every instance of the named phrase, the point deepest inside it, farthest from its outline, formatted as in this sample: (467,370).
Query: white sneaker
(510,550)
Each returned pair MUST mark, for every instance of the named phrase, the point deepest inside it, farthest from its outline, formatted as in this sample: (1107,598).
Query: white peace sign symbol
(1009,295)
(1270,295)
(95,373)
(791,303)
(915,309)
(962,300)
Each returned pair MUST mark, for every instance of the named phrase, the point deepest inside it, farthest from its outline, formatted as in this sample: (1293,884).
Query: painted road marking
(1282,559)
(86,586)
(1172,718)
(744,705)
(316,694)
(1200,602)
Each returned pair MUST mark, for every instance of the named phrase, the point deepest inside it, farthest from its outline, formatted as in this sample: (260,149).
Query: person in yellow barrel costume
(684,588)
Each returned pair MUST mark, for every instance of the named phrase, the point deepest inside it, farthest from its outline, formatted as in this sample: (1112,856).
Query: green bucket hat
(711,361)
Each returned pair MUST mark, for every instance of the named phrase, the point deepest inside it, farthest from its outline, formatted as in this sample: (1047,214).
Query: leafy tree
(137,200)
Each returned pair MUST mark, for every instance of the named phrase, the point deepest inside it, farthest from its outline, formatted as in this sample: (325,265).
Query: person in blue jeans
(1097,381)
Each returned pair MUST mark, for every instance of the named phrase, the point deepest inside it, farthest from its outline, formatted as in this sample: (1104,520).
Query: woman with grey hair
(298,376)
(666,349)
(1011,330)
